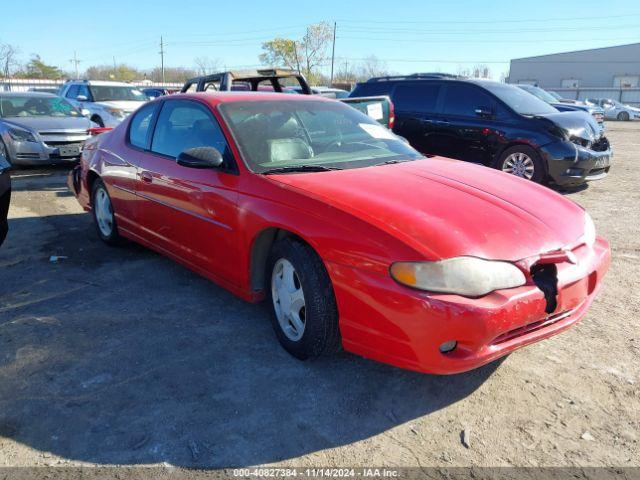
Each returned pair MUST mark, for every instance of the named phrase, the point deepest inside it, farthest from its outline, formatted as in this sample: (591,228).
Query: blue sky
(414,35)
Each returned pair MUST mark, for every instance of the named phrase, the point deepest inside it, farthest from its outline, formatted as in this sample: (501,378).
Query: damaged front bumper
(570,164)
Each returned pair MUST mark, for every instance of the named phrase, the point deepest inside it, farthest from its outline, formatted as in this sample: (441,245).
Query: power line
(76,62)
(474,41)
(505,20)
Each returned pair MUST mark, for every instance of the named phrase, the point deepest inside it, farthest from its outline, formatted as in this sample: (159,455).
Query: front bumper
(42,153)
(384,321)
(569,164)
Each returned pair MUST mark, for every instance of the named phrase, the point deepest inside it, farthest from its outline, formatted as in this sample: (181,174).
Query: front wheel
(305,315)
(98,120)
(522,161)
(624,116)
(103,215)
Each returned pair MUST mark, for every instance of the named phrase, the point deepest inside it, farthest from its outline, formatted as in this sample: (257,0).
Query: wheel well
(260,253)
(524,144)
(91,178)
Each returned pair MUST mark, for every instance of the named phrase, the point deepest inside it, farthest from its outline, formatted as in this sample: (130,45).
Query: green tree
(120,73)
(36,68)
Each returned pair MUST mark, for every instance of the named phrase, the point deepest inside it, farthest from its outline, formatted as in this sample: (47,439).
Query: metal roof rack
(413,76)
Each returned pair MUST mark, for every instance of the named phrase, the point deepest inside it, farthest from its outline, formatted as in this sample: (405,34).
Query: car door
(416,110)
(190,212)
(467,122)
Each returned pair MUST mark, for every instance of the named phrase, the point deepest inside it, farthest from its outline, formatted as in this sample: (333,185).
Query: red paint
(360,221)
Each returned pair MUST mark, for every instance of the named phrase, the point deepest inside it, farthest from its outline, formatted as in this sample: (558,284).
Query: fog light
(574,172)
(448,346)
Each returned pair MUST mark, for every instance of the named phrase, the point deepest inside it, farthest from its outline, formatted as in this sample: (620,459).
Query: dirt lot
(122,357)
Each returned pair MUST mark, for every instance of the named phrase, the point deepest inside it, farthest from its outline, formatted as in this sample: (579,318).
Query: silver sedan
(40,129)
(614,110)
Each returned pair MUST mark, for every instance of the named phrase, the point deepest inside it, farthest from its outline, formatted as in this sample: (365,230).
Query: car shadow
(120,356)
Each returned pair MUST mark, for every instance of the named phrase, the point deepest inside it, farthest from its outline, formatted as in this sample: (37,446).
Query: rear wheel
(624,116)
(305,315)
(103,215)
(522,161)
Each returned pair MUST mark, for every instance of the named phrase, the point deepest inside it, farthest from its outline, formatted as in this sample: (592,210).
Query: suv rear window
(372,89)
(416,96)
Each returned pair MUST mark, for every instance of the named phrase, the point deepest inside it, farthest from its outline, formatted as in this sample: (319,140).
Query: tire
(623,116)
(524,160)
(4,151)
(103,215)
(98,120)
(320,334)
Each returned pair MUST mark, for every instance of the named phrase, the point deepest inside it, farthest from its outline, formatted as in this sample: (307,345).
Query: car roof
(104,83)
(433,78)
(216,98)
(27,94)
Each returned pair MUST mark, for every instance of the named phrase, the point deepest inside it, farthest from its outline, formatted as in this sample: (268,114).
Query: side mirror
(484,112)
(200,157)
(82,98)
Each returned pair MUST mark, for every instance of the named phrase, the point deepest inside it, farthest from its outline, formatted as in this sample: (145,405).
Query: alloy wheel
(519,164)
(103,212)
(288,299)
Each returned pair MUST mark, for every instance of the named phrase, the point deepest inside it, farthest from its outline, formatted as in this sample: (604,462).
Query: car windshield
(285,134)
(522,102)
(106,93)
(540,93)
(555,95)
(36,106)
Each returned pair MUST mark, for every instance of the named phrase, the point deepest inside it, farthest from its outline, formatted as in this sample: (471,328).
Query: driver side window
(185,124)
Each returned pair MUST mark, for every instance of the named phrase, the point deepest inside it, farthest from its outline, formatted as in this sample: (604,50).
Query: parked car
(53,90)
(614,110)
(105,103)
(152,93)
(593,110)
(494,124)
(328,92)
(41,128)
(5,192)
(561,99)
(356,239)
(284,80)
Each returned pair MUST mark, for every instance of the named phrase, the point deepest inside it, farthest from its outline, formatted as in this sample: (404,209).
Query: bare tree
(307,54)
(8,61)
(206,65)
(372,66)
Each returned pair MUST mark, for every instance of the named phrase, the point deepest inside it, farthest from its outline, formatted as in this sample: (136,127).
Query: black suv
(495,124)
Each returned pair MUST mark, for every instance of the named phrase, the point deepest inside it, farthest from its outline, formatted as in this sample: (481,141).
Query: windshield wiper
(299,168)
(390,162)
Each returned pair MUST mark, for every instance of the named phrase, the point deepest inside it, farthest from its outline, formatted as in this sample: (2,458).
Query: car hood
(126,105)
(38,124)
(575,124)
(444,208)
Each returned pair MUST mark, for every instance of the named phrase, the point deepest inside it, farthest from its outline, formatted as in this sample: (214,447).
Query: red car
(359,241)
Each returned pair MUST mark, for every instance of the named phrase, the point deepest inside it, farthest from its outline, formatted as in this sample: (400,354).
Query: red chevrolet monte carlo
(359,241)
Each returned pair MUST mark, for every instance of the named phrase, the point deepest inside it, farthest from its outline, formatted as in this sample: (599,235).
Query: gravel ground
(118,356)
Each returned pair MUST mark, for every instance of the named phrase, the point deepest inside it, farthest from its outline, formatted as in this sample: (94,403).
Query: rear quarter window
(372,89)
(416,96)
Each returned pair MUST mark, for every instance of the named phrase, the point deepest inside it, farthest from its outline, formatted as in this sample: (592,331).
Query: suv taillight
(392,115)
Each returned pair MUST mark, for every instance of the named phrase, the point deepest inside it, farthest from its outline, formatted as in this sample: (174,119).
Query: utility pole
(115,69)
(333,52)
(76,62)
(162,59)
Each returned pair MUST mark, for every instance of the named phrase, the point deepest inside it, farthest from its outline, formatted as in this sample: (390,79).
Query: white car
(105,103)
(614,110)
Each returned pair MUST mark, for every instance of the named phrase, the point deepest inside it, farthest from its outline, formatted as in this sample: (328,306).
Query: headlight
(589,235)
(467,276)
(21,135)
(116,112)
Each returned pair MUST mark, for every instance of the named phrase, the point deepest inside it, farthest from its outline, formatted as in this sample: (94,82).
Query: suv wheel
(305,315)
(522,161)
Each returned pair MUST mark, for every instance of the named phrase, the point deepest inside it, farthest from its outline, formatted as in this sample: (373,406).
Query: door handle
(146,177)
